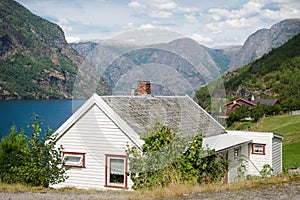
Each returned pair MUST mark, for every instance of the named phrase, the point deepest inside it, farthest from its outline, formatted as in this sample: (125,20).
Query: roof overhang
(224,141)
(278,136)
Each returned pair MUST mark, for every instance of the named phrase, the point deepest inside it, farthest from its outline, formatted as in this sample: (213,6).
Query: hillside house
(251,103)
(96,136)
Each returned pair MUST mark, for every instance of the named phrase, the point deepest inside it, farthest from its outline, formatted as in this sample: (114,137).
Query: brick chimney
(144,87)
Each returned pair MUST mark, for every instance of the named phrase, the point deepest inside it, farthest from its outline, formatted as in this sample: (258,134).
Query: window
(115,170)
(237,152)
(258,149)
(74,159)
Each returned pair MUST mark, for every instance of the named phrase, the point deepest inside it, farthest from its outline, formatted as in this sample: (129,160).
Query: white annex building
(96,136)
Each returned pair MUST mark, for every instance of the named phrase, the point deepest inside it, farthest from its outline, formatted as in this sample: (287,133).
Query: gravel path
(288,191)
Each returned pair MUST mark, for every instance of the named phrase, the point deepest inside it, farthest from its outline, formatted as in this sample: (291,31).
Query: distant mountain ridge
(36,62)
(264,40)
(124,63)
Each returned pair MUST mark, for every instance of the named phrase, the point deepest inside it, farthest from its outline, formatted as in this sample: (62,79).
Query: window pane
(73,159)
(258,148)
(117,171)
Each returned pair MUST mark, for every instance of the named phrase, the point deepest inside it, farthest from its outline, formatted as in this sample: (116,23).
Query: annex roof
(223,142)
(272,134)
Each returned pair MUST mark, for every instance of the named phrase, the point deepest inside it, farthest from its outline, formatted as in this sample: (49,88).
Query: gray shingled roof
(140,112)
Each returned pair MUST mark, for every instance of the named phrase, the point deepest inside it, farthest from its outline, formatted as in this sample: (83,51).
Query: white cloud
(160,14)
(280,14)
(190,18)
(64,24)
(199,38)
(154,8)
(146,26)
(164,5)
(71,39)
(247,10)
(188,9)
(286,9)
(135,5)
(251,15)
(159,8)
(218,27)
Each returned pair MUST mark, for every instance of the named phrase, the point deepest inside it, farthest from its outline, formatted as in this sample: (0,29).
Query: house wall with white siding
(277,155)
(96,135)
(234,162)
(273,151)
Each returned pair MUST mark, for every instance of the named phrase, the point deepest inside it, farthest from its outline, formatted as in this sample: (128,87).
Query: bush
(31,159)
(13,147)
(167,158)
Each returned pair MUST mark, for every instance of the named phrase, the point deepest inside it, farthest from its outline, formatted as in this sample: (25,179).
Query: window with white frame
(74,159)
(258,149)
(116,167)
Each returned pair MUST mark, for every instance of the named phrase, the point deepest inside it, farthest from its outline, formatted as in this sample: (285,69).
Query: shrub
(13,147)
(33,159)
(167,158)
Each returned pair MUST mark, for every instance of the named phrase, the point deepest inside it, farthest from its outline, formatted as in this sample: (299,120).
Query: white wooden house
(96,136)
(265,148)
(255,148)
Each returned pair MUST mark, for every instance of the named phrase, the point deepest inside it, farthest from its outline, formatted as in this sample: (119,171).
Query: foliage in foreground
(31,159)
(167,158)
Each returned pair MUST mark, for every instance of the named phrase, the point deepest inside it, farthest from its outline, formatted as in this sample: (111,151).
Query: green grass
(291,155)
(286,125)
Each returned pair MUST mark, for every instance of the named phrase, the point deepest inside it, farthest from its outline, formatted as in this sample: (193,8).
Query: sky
(210,22)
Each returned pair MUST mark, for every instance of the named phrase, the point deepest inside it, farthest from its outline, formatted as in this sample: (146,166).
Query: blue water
(53,112)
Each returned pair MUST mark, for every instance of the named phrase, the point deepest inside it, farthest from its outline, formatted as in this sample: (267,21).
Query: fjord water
(53,112)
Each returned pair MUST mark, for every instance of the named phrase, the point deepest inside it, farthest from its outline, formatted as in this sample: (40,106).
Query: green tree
(44,164)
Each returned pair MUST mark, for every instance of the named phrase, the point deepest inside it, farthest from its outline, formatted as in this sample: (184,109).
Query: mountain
(264,40)
(180,66)
(36,62)
(100,54)
(275,75)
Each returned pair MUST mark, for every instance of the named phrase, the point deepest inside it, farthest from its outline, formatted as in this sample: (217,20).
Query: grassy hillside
(286,125)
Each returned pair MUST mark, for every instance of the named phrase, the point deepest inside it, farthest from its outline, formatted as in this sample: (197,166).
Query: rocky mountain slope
(178,67)
(36,62)
(264,40)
